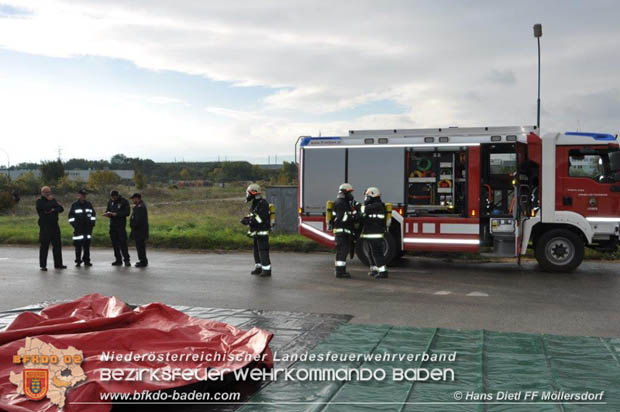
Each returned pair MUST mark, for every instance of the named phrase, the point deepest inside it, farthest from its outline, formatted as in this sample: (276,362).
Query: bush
(66,185)
(6,201)
(103,180)
(28,184)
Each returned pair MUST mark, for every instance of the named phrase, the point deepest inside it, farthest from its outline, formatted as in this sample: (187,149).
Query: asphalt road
(419,292)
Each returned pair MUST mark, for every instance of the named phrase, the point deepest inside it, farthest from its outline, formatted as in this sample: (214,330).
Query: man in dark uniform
(117,211)
(139,224)
(259,227)
(373,231)
(49,231)
(82,217)
(343,216)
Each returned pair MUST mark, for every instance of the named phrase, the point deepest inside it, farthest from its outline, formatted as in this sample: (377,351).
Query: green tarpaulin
(486,362)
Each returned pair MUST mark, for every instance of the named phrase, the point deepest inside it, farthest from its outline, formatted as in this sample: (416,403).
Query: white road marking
(4,258)
(442,292)
(477,294)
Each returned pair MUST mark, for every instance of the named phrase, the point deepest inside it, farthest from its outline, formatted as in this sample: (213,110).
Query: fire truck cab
(492,190)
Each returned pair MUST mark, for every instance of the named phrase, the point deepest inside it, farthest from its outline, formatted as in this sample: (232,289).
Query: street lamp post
(538,35)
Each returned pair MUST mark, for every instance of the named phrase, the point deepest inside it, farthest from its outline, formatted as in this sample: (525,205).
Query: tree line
(146,171)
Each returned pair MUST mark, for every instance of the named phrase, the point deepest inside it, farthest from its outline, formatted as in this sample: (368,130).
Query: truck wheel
(559,250)
(362,249)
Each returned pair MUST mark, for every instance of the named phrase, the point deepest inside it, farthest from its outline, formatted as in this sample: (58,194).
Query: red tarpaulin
(96,324)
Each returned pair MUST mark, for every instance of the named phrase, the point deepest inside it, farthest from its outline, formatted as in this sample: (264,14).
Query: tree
(51,171)
(118,160)
(139,179)
(102,180)
(288,173)
(184,174)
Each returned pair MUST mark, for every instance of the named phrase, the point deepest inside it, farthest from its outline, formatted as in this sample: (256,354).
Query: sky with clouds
(196,80)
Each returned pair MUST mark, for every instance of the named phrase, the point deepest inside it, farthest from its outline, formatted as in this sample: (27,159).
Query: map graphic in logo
(48,371)
(35,383)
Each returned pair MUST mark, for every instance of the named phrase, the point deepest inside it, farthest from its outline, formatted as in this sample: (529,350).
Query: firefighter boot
(373,271)
(265,271)
(382,273)
(257,270)
(341,272)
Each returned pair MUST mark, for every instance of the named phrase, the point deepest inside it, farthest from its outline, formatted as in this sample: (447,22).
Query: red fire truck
(495,190)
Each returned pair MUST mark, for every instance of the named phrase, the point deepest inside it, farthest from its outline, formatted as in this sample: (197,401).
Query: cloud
(506,77)
(446,64)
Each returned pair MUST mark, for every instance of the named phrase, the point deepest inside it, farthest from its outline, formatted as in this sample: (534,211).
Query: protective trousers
(261,252)
(343,243)
(82,250)
(377,258)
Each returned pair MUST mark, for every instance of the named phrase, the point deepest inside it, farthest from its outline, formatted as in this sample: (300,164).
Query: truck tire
(559,250)
(362,250)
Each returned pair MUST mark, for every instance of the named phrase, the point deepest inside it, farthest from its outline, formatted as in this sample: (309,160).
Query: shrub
(103,180)
(6,201)
(66,185)
(28,184)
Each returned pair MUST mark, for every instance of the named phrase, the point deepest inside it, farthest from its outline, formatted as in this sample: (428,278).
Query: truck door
(523,193)
(498,201)
(586,183)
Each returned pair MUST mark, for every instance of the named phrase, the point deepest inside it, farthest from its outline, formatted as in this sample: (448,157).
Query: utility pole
(538,35)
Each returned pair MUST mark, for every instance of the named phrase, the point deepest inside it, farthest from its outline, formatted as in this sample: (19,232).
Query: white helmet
(372,192)
(253,188)
(345,187)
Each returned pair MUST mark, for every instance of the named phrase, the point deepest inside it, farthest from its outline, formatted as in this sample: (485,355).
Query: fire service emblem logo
(35,383)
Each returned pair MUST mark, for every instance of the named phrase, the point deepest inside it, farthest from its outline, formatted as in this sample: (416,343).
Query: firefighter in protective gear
(117,211)
(82,217)
(259,227)
(344,214)
(373,231)
(49,231)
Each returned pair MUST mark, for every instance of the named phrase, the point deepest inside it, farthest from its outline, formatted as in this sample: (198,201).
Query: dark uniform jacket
(259,218)
(343,215)
(121,208)
(139,222)
(373,217)
(48,211)
(82,217)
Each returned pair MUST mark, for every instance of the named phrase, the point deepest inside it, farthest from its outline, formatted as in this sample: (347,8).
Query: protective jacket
(48,211)
(259,218)
(344,214)
(373,218)
(82,217)
(139,222)
(119,206)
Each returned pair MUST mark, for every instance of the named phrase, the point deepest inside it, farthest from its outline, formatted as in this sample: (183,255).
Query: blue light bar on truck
(595,136)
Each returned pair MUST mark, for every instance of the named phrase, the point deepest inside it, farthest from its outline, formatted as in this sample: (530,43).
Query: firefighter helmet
(372,192)
(252,192)
(253,188)
(345,187)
